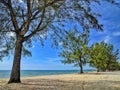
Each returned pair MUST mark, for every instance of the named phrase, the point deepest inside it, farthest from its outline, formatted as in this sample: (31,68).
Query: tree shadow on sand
(46,84)
(49,84)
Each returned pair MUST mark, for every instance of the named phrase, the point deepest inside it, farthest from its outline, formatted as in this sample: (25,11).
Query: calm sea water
(29,73)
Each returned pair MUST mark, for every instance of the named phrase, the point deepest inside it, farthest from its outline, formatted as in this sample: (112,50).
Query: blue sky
(46,58)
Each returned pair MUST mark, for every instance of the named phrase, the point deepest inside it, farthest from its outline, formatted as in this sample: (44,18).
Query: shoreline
(85,73)
(88,81)
(47,74)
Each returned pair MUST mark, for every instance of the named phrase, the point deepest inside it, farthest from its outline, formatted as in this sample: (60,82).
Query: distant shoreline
(31,73)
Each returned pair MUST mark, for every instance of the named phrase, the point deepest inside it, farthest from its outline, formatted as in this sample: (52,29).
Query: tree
(29,20)
(103,57)
(97,56)
(118,65)
(75,48)
(112,62)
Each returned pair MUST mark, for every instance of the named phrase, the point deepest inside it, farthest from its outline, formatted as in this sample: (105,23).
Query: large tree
(75,48)
(22,21)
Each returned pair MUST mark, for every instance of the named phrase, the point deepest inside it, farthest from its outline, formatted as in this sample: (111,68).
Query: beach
(86,81)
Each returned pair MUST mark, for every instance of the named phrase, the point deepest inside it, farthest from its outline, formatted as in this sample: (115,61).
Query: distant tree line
(75,50)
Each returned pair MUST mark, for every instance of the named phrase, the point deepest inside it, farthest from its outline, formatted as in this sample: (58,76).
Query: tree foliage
(33,19)
(103,56)
(75,48)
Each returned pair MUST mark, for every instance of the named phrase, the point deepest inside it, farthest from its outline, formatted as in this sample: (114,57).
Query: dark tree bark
(81,69)
(98,70)
(81,66)
(15,74)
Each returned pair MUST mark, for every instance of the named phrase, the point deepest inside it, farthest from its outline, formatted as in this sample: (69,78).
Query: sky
(46,58)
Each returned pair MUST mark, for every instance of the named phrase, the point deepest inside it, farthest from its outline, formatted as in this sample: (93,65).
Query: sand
(87,81)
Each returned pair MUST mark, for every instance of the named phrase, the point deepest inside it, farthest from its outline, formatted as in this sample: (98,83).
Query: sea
(30,73)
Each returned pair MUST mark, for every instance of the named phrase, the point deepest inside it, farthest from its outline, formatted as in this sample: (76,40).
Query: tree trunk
(15,73)
(98,70)
(81,67)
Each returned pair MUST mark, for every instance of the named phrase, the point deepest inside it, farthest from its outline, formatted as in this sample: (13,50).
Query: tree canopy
(33,19)
(104,57)
(75,48)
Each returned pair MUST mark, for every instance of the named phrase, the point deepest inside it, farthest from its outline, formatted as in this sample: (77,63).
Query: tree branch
(27,24)
(47,4)
(37,28)
(42,17)
(12,15)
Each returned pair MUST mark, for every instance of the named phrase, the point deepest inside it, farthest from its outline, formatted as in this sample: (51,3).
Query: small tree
(75,48)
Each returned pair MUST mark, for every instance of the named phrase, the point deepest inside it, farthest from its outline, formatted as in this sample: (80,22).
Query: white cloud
(116,34)
(107,39)
(12,34)
(33,46)
(60,43)
(2,48)
(20,1)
